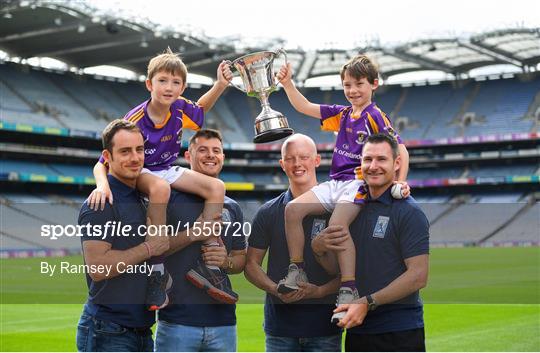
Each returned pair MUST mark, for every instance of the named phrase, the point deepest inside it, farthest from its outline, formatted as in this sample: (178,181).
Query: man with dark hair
(115,317)
(391,237)
(196,321)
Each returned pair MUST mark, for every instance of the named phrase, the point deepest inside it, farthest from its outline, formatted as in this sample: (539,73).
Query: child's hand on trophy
(284,75)
(224,73)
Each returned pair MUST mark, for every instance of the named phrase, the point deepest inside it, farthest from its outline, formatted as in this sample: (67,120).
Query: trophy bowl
(257,73)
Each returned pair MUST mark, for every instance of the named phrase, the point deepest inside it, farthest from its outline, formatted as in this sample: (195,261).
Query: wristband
(148,249)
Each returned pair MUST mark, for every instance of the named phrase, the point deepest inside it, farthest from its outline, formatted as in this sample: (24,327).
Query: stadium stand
(85,103)
(37,87)
(22,218)
(476,219)
(524,228)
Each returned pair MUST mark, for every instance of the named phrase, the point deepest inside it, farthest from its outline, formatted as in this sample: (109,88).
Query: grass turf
(478,299)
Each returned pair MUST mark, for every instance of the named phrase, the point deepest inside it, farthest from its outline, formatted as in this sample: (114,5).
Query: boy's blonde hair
(361,66)
(169,62)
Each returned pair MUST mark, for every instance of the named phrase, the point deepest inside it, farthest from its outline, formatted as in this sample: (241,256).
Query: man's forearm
(178,242)
(329,288)
(255,274)
(409,282)
(111,259)
(328,261)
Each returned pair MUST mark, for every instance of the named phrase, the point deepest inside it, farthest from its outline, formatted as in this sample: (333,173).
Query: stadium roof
(82,37)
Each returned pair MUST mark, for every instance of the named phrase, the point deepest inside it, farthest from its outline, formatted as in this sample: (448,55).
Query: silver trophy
(257,73)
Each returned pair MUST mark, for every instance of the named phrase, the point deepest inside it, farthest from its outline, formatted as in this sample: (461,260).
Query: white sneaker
(346,296)
(290,282)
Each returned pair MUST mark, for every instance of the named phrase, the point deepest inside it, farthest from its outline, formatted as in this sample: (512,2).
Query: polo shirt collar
(288,197)
(119,186)
(385,198)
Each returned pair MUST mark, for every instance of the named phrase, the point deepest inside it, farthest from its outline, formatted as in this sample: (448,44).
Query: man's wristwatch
(372,304)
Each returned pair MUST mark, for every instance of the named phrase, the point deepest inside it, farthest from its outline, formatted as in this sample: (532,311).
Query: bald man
(297,321)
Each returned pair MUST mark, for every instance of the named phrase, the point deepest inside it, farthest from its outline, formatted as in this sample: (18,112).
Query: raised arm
(224,76)
(297,99)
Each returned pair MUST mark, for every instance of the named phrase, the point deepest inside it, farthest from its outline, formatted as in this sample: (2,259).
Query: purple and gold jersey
(352,134)
(162,142)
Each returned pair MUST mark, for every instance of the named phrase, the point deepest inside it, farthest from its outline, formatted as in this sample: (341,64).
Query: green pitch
(478,299)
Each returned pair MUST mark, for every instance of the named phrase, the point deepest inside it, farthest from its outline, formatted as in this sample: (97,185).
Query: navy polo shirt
(119,299)
(386,232)
(191,306)
(306,318)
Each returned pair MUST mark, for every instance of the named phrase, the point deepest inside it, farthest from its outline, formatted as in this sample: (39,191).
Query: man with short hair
(196,321)
(392,245)
(300,320)
(115,317)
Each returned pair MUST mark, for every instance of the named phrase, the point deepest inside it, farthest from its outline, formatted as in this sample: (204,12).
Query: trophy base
(273,135)
(270,126)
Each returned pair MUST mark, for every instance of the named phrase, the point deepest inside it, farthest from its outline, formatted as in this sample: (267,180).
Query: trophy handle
(277,53)
(232,67)
(281,51)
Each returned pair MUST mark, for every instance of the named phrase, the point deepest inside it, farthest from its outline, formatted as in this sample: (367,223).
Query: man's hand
(214,256)
(355,314)
(310,290)
(98,197)
(306,291)
(292,296)
(224,74)
(329,239)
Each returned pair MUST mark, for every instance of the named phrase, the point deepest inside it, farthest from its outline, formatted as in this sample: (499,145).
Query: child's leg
(295,211)
(343,215)
(212,190)
(158,192)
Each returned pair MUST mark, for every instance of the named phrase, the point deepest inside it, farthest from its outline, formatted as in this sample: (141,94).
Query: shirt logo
(345,146)
(166,155)
(149,151)
(318,226)
(226,215)
(166,138)
(362,136)
(380,227)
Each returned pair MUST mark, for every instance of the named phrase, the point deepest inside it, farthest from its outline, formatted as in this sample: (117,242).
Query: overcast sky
(335,23)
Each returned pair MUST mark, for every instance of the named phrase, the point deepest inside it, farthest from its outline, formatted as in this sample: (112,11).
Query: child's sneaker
(156,291)
(290,282)
(347,295)
(214,282)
